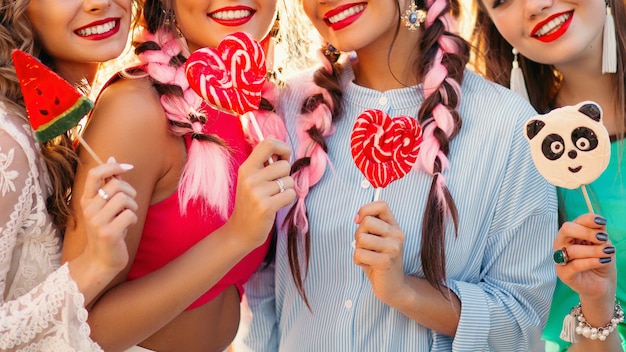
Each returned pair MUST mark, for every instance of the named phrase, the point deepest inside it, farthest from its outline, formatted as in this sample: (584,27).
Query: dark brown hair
(493,58)
(446,94)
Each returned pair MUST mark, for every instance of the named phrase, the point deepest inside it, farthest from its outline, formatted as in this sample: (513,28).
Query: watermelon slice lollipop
(384,149)
(52,104)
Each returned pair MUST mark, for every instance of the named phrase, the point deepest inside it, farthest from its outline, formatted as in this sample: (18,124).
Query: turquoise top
(608,198)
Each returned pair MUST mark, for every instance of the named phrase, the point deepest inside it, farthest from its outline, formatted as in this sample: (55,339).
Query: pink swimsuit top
(167,233)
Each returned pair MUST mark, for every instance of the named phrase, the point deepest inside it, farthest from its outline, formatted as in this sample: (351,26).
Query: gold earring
(414,17)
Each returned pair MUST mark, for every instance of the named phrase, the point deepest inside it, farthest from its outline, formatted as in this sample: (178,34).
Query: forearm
(90,277)
(132,311)
(429,307)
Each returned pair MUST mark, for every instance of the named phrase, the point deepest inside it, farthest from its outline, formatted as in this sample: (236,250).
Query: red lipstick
(555,33)
(96,36)
(236,21)
(346,21)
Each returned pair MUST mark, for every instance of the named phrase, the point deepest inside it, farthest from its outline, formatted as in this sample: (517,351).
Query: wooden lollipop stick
(587,199)
(87,147)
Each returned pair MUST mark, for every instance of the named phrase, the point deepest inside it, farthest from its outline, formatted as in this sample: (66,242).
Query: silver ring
(102,193)
(281,185)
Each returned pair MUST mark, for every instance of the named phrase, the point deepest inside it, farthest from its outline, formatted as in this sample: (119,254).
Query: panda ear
(533,127)
(592,110)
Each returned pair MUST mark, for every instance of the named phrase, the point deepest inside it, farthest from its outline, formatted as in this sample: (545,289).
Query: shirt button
(348,304)
(365,184)
(383,100)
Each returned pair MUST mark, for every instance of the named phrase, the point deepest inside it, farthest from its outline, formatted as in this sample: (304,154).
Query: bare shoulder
(129,97)
(128,122)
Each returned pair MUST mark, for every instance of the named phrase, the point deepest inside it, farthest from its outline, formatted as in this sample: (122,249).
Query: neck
(581,83)
(76,73)
(386,64)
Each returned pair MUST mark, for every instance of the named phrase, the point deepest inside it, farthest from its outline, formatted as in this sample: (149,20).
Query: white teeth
(231,15)
(99,29)
(347,13)
(550,26)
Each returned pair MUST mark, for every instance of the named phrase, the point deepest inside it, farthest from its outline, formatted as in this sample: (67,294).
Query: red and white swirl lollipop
(230,76)
(384,148)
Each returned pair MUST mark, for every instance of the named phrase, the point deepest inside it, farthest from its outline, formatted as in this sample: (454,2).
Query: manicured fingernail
(605,260)
(599,220)
(601,236)
(127,167)
(356,219)
(111,160)
(609,250)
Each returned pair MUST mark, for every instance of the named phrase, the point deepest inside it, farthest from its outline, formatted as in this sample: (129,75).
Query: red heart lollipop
(230,77)
(385,149)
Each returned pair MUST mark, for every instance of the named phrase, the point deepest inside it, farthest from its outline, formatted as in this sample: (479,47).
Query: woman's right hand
(590,269)
(108,207)
(258,195)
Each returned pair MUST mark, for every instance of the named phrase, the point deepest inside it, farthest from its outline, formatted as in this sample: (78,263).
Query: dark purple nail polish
(601,236)
(605,260)
(599,220)
(609,250)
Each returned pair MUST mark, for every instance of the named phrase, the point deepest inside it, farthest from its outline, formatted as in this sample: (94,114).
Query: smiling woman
(199,170)
(568,52)
(42,303)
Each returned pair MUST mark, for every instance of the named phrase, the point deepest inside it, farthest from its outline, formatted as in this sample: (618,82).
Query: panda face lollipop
(570,146)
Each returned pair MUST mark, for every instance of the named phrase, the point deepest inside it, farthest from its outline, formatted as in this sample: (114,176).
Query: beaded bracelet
(576,322)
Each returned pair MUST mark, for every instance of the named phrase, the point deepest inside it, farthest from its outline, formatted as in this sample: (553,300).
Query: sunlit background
(298,45)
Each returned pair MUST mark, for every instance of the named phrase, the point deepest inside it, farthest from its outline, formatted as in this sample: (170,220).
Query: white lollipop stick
(587,199)
(255,125)
(377,194)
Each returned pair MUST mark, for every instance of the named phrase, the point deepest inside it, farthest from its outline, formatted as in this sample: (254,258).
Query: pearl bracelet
(585,329)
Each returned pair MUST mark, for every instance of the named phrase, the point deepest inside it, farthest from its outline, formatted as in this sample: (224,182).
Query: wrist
(577,322)
(90,276)
(242,235)
(598,311)
(404,297)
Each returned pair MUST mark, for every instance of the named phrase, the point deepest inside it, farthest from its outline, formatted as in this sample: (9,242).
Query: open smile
(343,16)
(232,16)
(99,29)
(553,27)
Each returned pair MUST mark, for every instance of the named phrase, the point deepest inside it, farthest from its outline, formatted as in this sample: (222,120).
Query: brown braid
(330,82)
(440,202)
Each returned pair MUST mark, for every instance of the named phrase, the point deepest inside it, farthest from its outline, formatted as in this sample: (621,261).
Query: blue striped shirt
(499,266)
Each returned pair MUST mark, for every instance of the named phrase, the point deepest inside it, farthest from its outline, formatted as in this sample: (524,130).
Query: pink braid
(208,172)
(441,116)
(269,122)
(305,178)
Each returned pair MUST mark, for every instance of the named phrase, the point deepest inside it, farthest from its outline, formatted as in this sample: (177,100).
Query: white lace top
(41,308)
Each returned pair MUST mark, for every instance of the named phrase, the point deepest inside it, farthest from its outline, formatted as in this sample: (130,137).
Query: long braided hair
(163,55)
(441,63)
(444,55)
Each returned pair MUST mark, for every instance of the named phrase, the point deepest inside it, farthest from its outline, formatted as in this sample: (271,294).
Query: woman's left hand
(590,269)
(379,249)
